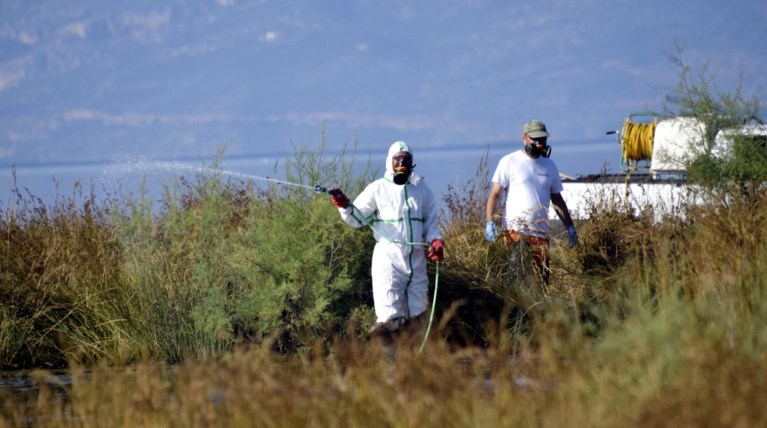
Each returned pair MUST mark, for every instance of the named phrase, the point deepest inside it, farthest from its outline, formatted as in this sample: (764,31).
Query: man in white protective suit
(402,212)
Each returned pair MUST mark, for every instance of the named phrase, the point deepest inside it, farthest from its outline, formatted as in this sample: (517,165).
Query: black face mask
(535,151)
(403,167)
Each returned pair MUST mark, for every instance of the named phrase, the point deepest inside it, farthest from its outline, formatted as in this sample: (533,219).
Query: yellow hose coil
(637,141)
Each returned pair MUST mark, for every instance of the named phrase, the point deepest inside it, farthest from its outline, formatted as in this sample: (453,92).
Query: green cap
(535,129)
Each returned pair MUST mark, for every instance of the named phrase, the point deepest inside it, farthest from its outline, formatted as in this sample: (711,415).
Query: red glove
(339,199)
(436,250)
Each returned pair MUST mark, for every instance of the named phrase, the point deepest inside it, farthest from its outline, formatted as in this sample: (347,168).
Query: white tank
(676,142)
(724,138)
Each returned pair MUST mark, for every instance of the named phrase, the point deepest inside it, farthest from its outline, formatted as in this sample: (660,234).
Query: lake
(440,167)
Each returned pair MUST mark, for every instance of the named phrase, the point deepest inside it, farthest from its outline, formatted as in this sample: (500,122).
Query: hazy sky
(94,81)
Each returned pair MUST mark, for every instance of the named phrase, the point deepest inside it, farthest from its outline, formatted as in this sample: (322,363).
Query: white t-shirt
(528,184)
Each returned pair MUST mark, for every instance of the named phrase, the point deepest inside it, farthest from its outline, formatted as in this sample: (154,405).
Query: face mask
(536,151)
(402,164)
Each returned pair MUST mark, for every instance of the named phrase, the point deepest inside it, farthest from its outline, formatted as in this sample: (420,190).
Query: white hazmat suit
(400,216)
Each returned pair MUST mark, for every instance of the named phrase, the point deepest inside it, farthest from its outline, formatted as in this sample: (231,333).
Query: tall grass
(60,265)
(265,296)
(218,262)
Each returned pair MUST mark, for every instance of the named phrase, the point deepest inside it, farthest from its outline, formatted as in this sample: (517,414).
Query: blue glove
(491,231)
(572,236)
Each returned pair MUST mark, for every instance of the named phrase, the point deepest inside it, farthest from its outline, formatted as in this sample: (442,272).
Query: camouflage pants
(526,254)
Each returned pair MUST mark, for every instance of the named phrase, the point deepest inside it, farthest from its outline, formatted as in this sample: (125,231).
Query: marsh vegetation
(232,304)
(227,303)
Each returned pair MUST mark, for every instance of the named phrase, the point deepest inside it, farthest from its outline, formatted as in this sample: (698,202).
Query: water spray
(153,165)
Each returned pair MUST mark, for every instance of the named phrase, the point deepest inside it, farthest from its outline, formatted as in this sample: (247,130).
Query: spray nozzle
(320,189)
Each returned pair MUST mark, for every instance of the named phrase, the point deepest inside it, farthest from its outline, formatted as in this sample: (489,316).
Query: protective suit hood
(399,146)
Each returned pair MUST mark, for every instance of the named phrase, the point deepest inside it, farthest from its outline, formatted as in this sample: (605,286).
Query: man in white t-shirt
(530,181)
